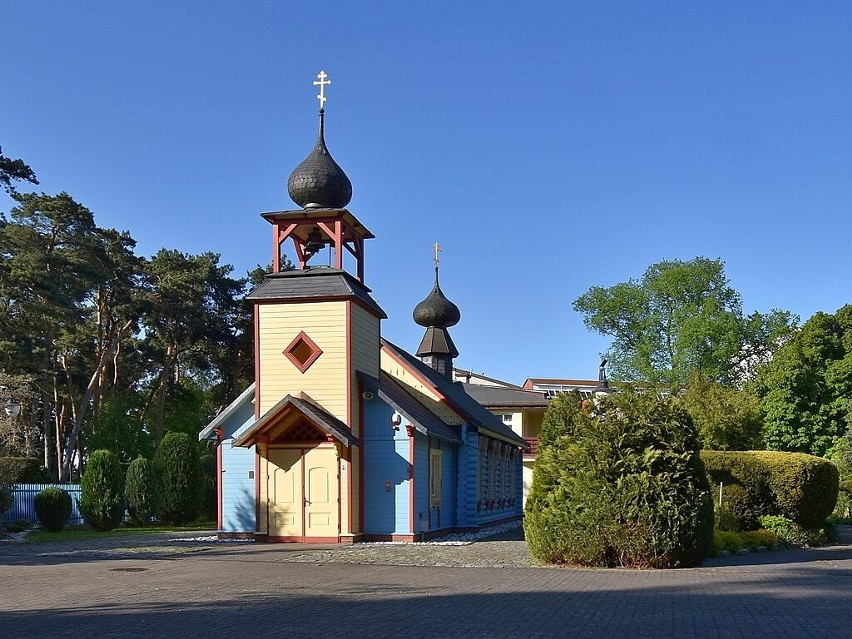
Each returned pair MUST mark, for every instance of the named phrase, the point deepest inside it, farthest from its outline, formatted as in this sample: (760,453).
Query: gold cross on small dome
(436,248)
(322,82)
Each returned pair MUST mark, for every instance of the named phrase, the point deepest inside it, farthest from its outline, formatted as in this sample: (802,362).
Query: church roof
(423,419)
(468,408)
(315,283)
(493,397)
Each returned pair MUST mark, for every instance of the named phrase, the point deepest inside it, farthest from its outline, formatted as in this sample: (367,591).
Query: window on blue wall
(435,478)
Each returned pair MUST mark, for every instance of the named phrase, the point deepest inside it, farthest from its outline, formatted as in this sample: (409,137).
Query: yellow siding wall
(262,519)
(365,339)
(325,380)
(422,392)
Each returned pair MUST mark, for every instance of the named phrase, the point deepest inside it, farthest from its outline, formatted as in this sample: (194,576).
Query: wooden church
(345,436)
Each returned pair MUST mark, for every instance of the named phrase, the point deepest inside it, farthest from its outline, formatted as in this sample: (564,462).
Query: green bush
(723,540)
(726,521)
(800,487)
(210,507)
(23,470)
(754,539)
(53,508)
(19,525)
(791,534)
(102,491)
(141,489)
(745,485)
(179,481)
(619,484)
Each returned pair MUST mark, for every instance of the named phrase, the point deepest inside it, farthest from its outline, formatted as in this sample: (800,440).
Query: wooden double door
(304,494)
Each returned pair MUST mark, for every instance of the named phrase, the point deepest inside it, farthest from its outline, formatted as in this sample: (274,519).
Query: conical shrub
(102,491)
(141,488)
(180,485)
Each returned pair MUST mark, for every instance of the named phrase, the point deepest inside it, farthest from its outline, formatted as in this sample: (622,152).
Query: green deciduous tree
(680,318)
(727,418)
(806,389)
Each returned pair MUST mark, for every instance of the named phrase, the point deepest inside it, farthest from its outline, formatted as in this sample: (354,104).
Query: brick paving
(153,587)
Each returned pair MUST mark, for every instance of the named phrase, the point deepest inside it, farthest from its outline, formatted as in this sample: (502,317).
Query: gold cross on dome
(436,248)
(322,82)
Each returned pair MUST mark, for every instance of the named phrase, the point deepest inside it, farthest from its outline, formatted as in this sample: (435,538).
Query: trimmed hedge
(53,508)
(619,483)
(102,491)
(180,485)
(799,487)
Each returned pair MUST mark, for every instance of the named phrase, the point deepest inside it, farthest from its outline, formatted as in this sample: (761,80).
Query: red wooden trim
(219,438)
(276,248)
(256,361)
(257,490)
(423,381)
(359,244)
(361,481)
(227,535)
(411,480)
(304,498)
(350,418)
(303,366)
(338,244)
(282,237)
(294,539)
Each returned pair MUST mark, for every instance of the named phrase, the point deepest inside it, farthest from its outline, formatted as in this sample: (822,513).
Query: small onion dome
(436,310)
(319,182)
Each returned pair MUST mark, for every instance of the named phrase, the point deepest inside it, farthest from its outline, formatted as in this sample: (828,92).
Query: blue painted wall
(386,459)
(238,487)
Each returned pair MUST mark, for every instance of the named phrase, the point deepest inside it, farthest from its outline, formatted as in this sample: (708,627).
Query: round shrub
(619,483)
(754,539)
(53,508)
(800,487)
(141,489)
(729,541)
(179,481)
(102,491)
(210,507)
(805,487)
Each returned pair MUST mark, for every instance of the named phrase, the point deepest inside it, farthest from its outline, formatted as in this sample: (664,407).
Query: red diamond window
(302,351)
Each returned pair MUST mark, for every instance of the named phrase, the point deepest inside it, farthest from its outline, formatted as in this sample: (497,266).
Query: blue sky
(548,147)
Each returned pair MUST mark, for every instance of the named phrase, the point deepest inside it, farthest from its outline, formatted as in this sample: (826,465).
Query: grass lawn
(74,533)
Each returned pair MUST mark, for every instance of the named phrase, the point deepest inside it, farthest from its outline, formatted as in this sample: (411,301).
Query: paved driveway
(149,587)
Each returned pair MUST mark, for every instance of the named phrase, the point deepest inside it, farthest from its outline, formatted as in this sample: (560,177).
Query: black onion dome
(436,310)
(319,182)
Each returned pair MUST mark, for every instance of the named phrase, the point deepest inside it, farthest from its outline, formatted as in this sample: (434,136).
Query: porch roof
(286,412)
